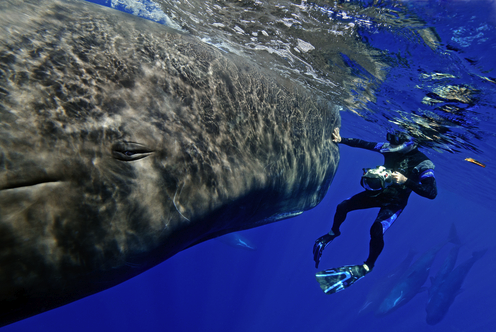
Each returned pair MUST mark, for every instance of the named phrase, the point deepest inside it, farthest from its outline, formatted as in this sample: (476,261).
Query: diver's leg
(384,220)
(337,279)
(359,201)
(376,244)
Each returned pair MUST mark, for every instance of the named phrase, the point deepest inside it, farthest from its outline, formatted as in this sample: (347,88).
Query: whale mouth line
(26,184)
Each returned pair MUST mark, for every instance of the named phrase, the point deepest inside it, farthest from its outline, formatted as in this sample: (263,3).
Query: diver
(388,187)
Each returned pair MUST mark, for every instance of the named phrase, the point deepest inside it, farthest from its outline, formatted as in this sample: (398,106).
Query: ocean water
(425,67)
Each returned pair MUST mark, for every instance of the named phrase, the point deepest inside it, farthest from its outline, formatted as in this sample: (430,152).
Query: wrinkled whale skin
(123,142)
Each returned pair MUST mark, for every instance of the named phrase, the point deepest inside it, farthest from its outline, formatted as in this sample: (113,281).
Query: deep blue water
(216,287)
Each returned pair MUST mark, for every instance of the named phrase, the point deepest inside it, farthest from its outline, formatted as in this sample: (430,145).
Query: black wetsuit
(419,171)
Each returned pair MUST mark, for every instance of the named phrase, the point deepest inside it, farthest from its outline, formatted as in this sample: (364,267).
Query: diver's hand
(398,178)
(336,137)
(320,245)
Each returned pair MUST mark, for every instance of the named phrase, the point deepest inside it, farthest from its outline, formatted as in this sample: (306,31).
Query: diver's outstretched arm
(358,143)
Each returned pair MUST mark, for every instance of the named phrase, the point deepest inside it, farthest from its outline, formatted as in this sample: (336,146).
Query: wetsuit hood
(398,137)
(403,143)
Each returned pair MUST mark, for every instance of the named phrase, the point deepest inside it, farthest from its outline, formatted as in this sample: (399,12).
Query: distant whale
(383,286)
(123,142)
(237,240)
(410,284)
(444,295)
(444,272)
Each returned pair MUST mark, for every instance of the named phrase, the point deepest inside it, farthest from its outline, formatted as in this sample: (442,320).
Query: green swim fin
(337,279)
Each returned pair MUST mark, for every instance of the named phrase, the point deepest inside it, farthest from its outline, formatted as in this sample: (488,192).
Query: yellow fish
(473,161)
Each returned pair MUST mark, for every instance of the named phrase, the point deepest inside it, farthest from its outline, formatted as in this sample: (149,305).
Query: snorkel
(402,148)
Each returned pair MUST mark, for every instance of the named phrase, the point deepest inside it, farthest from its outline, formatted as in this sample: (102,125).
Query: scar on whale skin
(174,201)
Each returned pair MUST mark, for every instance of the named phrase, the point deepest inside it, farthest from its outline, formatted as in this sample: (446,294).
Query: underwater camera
(376,179)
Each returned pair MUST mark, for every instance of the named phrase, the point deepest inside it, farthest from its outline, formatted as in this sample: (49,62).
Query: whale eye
(129,151)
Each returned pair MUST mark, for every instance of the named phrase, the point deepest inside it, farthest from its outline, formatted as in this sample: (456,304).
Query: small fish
(473,161)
